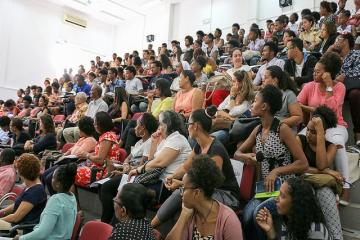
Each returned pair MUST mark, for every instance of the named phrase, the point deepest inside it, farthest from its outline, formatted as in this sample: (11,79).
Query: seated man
(4,130)
(7,171)
(134,88)
(112,82)
(269,52)
(81,85)
(300,65)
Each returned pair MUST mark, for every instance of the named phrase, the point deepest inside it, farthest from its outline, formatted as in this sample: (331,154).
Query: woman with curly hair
(300,214)
(31,202)
(320,155)
(58,218)
(202,217)
(325,90)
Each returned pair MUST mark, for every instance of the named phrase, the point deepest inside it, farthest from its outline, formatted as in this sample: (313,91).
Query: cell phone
(260,191)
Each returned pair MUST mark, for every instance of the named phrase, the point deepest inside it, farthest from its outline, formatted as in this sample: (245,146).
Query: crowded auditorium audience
(164,123)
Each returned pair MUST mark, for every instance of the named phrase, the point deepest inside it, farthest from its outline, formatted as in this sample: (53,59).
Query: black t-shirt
(45,142)
(217,149)
(35,195)
(309,153)
(23,137)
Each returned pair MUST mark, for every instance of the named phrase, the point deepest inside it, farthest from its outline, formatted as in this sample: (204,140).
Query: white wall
(35,43)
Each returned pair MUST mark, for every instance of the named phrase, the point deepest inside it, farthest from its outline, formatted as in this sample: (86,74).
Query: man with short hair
(268,55)
(81,85)
(99,63)
(112,82)
(7,171)
(235,31)
(293,26)
(279,30)
(145,59)
(133,86)
(300,65)
(211,50)
(189,41)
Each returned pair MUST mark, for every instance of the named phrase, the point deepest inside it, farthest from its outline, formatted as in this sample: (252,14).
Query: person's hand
(248,158)
(340,78)
(326,77)
(318,124)
(126,168)
(335,174)
(150,97)
(270,180)
(132,173)
(82,155)
(264,220)
(115,173)
(17,237)
(234,91)
(173,184)
(188,212)
(156,137)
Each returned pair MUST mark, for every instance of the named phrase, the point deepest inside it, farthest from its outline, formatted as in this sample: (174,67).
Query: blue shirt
(57,220)
(115,84)
(84,88)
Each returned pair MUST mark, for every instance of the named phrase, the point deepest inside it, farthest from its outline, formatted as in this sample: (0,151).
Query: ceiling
(110,11)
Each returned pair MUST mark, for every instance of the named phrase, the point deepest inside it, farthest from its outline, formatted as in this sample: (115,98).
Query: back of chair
(77,225)
(247,182)
(96,230)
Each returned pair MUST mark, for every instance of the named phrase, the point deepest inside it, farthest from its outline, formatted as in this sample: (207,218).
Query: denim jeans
(222,135)
(251,229)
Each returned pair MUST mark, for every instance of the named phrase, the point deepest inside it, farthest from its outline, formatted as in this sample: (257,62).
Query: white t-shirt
(133,86)
(139,150)
(299,68)
(231,71)
(179,143)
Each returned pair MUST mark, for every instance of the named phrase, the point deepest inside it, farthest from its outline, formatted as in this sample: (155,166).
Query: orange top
(184,101)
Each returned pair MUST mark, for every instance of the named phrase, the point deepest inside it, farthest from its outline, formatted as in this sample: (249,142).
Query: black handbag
(242,128)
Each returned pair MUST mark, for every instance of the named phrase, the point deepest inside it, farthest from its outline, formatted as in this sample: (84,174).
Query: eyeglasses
(182,189)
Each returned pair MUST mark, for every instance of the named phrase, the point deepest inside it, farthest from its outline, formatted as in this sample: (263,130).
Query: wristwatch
(329,89)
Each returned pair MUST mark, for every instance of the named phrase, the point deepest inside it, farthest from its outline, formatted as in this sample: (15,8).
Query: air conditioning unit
(75,20)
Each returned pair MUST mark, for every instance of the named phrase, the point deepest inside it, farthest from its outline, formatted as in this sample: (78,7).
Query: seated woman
(328,36)
(107,151)
(47,138)
(31,202)
(146,125)
(277,151)
(169,149)
(301,216)
(119,109)
(325,90)
(35,116)
(236,104)
(163,103)
(320,154)
(130,209)
(228,193)
(86,144)
(237,61)
(58,218)
(202,217)
(188,99)
(81,108)
(19,135)
(197,68)
(10,108)
(20,93)
(25,111)
(290,112)
(310,35)
(163,92)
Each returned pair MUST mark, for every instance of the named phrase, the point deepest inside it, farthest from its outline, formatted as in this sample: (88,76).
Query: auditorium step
(351,234)
(349,216)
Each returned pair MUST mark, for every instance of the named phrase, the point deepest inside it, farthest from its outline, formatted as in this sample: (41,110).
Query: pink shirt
(312,96)
(227,227)
(184,101)
(7,179)
(84,145)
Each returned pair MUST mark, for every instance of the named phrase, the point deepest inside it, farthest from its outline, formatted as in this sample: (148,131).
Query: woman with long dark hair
(119,109)
(163,92)
(300,214)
